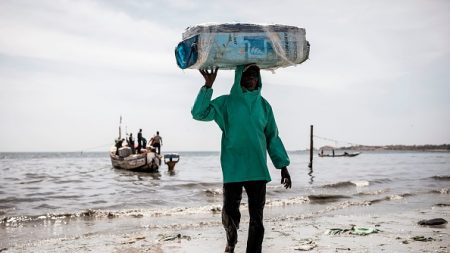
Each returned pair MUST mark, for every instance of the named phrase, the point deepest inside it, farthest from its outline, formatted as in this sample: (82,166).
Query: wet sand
(287,230)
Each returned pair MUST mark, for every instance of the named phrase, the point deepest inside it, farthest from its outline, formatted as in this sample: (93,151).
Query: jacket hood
(236,90)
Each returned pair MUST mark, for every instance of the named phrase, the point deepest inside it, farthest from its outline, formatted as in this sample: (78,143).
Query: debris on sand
(166,238)
(432,222)
(306,245)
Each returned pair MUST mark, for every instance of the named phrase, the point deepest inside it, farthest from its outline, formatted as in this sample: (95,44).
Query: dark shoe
(229,249)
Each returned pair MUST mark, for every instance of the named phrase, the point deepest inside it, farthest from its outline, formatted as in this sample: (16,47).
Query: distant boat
(123,157)
(146,161)
(345,154)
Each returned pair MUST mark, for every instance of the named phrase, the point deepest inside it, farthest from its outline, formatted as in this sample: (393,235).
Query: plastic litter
(306,245)
(363,231)
(354,231)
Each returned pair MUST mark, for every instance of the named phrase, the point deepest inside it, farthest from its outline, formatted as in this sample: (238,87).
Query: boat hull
(144,162)
(340,155)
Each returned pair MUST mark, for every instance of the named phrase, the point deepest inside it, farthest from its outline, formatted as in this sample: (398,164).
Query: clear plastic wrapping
(229,45)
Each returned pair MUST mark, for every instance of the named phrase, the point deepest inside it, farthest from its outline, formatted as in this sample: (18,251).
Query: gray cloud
(69,69)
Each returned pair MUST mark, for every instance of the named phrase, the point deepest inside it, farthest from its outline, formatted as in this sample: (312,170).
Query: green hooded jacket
(248,131)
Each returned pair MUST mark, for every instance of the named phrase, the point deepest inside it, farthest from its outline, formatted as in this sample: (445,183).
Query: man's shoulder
(266,105)
(221,98)
(265,102)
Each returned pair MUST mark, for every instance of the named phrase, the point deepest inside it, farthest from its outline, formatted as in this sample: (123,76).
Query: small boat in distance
(345,154)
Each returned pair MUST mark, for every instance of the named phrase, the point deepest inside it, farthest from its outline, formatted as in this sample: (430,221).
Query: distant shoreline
(440,148)
(423,148)
(417,148)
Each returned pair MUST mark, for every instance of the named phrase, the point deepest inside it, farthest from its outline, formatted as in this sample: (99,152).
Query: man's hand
(209,76)
(285,178)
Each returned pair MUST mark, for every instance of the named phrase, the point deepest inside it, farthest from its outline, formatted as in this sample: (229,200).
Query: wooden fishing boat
(145,161)
(123,156)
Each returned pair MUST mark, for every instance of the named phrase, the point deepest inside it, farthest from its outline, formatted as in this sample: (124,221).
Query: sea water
(36,185)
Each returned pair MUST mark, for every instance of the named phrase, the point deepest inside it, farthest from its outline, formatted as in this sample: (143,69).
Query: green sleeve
(275,146)
(206,110)
(202,109)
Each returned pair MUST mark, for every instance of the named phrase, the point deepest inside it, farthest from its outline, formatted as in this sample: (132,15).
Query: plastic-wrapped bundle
(229,45)
(124,151)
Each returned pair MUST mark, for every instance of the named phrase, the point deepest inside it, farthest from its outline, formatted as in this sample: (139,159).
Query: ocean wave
(181,211)
(392,197)
(137,213)
(325,198)
(95,214)
(286,202)
(46,206)
(381,181)
(441,191)
(398,196)
(441,178)
(197,185)
(377,192)
(271,191)
(442,204)
(67,197)
(357,183)
(31,181)
(339,185)
(361,183)
(213,192)
(59,181)
(17,200)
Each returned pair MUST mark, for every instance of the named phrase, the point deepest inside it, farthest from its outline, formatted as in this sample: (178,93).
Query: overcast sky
(379,72)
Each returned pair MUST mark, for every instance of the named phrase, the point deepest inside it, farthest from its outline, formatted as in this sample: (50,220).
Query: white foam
(285,202)
(394,197)
(360,183)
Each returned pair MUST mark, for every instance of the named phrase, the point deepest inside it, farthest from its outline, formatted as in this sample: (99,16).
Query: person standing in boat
(119,145)
(144,143)
(156,142)
(249,132)
(131,143)
(139,140)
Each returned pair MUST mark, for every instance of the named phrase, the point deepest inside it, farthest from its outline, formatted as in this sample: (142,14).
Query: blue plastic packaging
(228,45)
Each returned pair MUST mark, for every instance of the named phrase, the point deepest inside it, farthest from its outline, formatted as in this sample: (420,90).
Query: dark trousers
(232,195)
(139,145)
(157,146)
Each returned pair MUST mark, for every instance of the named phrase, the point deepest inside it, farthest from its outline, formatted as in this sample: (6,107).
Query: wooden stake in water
(311,147)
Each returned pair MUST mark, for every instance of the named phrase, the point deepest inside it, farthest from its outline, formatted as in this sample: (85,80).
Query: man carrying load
(249,132)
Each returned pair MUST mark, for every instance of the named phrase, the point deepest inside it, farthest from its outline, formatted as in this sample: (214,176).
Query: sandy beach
(287,230)
(86,206)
